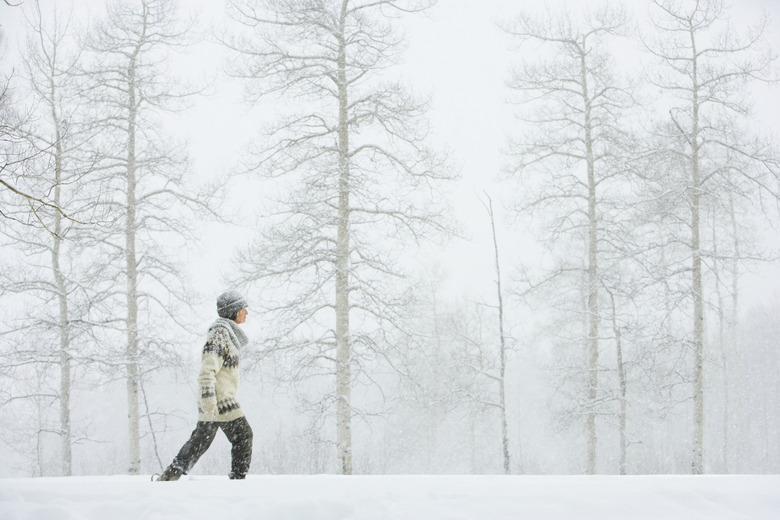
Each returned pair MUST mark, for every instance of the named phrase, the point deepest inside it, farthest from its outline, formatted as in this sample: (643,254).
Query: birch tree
(357,180)
(145,192)
(50,71)
(706,72)
(59,165)
(568,158)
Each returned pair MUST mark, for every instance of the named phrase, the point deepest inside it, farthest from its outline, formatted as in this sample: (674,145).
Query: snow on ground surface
(326,497)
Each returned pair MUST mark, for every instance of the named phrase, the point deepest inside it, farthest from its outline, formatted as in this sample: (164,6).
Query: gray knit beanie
(229,303)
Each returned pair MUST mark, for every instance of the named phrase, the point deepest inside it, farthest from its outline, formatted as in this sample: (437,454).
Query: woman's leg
(200,440)
(239,433)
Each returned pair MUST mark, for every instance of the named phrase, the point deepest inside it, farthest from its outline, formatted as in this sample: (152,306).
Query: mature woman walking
(218,381)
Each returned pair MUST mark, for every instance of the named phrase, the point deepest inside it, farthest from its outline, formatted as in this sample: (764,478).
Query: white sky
(457,54)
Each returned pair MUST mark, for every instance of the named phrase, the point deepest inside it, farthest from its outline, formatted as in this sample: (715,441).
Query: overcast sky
(456,54)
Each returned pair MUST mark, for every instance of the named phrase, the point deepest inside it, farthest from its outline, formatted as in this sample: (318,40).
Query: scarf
(237,336)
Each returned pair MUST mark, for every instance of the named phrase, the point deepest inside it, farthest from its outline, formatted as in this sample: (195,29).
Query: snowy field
(324,497)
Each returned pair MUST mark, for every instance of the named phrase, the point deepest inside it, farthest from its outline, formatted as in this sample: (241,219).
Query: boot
(170,474)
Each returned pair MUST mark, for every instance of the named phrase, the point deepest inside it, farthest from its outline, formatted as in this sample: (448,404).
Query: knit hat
(229,303)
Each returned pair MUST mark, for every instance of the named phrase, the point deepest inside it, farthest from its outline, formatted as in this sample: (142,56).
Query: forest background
(473,241)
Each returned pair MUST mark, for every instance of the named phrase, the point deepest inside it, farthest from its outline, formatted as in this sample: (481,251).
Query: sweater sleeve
(211,363)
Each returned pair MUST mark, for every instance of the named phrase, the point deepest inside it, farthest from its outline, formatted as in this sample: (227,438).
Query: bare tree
(144,188)
(14,153)
(501,379)
(568,158)
(48,51)
(58,164)
(20,182)
(706,70)
(452,381)
(358,177)
(428,386)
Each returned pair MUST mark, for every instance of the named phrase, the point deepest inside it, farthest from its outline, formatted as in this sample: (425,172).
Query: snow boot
(170,474)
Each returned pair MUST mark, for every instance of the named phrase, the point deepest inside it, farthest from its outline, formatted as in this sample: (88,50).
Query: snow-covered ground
(323,497)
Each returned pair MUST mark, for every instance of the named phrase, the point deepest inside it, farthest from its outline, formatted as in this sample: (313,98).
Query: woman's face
(241,316)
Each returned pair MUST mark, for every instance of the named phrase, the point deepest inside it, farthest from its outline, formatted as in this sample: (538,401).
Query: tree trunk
(66,456)
(131,354)
(719,274)
(734,335)
(698,335)
(621,373)
(431,405)
(623,403)
(502,345)
(343,346)
(697,462)
(593,276)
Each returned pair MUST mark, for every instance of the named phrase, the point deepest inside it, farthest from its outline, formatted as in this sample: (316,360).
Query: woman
(218,381)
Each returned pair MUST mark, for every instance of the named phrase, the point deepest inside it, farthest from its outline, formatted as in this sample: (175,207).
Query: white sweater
(218,377)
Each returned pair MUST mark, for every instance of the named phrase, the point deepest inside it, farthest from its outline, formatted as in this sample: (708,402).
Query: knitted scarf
(237,336)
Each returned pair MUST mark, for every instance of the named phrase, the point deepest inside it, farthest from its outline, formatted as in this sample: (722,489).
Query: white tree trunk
(733,337)
(621,373)
(502,347)
(343,346)
(131,265)
(66,455)
(697,463)
(593,274)
(623,463)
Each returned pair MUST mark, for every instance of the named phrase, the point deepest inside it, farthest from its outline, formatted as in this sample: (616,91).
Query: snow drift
(323,497)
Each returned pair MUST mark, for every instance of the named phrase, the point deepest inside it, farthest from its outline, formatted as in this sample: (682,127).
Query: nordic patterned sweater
(218,377)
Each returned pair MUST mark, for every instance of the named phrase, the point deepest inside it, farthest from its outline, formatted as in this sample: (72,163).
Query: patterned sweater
(218,377)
